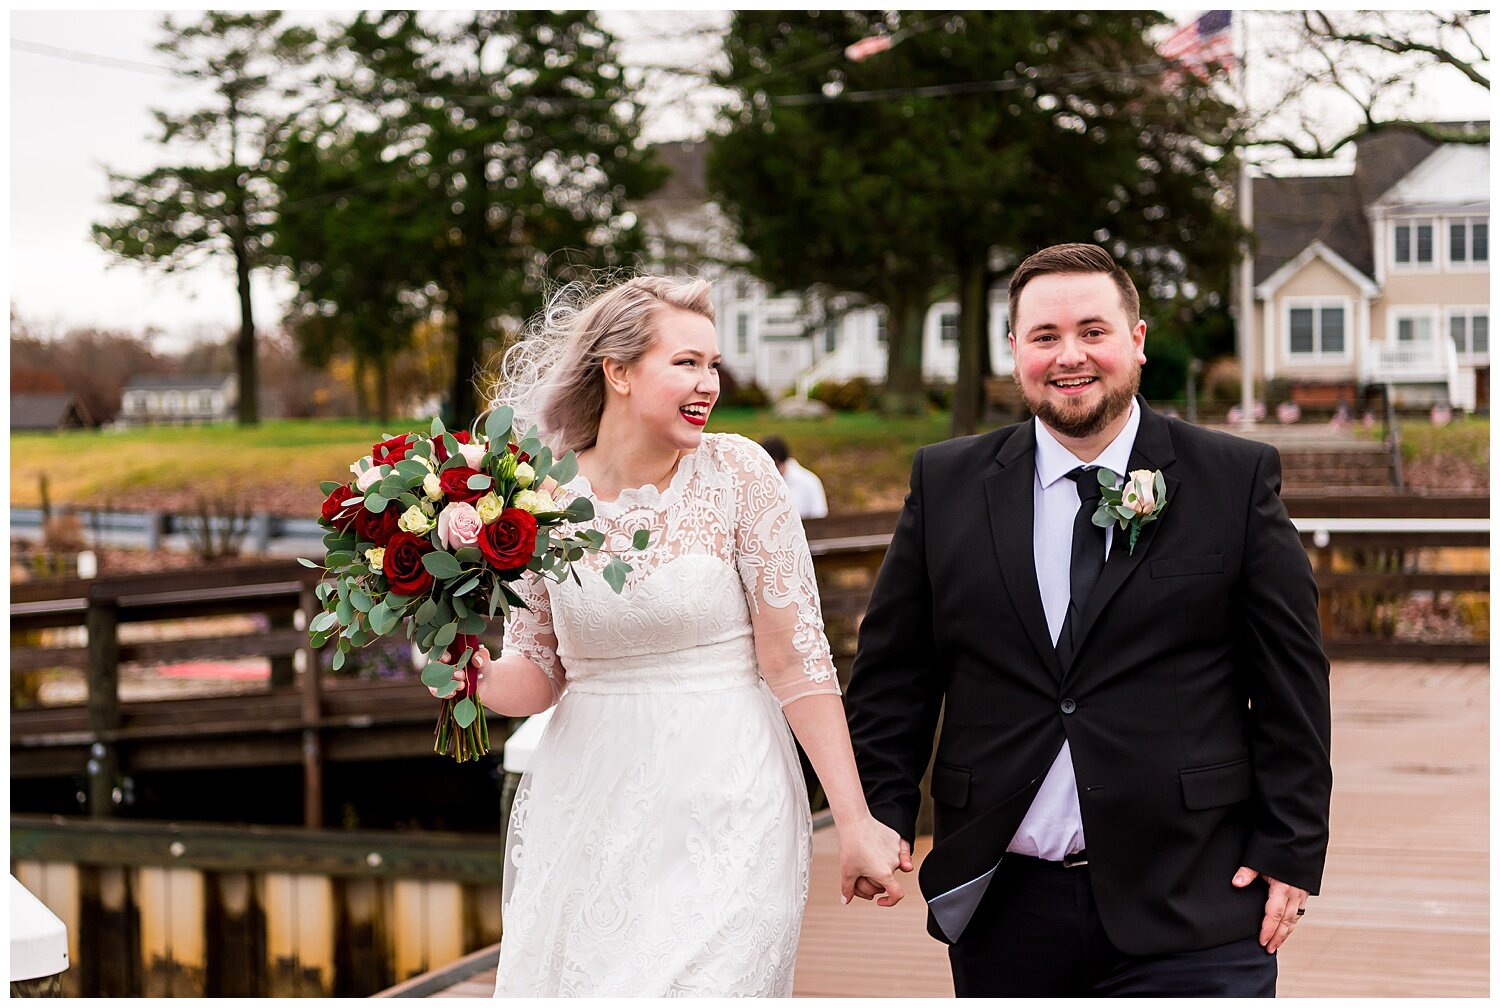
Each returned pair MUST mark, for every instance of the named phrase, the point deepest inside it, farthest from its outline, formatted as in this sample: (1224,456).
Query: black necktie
(1087,560)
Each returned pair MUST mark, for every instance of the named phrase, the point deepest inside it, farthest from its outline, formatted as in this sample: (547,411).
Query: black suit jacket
(1196,707)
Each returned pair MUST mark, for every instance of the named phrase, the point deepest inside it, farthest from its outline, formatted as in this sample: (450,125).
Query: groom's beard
(1081,421)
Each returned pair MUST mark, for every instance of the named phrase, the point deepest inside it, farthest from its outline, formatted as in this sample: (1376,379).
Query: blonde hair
(553,376)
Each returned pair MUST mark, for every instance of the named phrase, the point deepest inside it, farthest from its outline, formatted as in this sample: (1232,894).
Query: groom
(1131,786)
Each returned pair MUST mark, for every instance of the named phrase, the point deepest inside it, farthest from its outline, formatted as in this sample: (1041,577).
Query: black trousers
(1037,933)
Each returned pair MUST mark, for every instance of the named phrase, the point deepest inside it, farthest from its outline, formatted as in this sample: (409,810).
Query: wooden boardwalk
(1406,893)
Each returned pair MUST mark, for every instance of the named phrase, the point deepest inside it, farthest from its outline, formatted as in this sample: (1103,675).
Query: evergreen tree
(216,201)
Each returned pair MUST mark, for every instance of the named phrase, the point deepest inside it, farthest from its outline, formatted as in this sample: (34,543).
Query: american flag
(1207,39)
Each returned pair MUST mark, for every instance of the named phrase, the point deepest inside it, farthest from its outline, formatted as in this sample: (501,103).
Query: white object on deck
(38,940)
(522,743)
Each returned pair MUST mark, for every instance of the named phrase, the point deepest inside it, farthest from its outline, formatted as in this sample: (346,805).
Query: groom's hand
(1284,907)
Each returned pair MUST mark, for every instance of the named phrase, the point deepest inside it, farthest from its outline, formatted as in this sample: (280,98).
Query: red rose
(456,484)
(403,564)
(335,510)
(508,542)
(376,528)
(515,450)
(392,451)
(440,450)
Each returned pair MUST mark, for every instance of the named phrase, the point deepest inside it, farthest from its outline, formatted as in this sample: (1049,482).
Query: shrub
(854,394)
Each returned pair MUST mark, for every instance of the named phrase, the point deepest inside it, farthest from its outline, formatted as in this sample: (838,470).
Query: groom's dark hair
(1075,257)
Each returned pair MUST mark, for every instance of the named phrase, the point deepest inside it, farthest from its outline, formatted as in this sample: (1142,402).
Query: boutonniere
(1142,499)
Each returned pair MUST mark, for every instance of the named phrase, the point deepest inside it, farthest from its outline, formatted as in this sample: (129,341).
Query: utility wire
(57,52)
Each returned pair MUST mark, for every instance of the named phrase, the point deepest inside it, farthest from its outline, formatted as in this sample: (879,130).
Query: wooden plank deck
(1405,908)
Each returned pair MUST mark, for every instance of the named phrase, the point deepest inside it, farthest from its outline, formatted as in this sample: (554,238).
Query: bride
(659,845)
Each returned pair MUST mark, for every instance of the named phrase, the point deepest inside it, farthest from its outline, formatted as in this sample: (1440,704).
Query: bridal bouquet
(427,537)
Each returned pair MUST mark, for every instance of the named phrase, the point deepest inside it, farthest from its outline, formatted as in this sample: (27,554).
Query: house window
(830,338)
(205,403)
(1412,329)
(1317,329)
(948,328)
(742,333)
(742,289)
(1413,243)
(1469,328)
(1469,241)
(881,330)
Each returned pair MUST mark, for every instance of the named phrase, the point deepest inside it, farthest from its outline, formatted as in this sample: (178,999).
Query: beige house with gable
(1377,278)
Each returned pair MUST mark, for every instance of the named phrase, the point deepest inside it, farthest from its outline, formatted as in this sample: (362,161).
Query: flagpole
(1246,338)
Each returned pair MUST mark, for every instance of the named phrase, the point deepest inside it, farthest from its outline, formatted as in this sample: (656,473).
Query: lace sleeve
(529,631)
(781,587)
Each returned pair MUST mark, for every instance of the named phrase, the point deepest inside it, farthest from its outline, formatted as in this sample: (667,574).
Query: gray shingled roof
(1292,213)
(44,410)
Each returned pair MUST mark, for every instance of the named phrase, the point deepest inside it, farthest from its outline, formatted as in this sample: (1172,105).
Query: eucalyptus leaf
(441,565)
(497,426)
(466,586)
(497,601)
(345,612)
(426,611)
(565,468)
(480,481)
(437,429)
(339,558)
(464,712)
(460,607)
(338,540)
(473,624)
(323,622)
(1107,478)
(411,469)
(444,692)
(308,563)
(328,486)
(436,674)
(582,510)
(469,555)
(641,539)
(362,601)
(338,660)
(374,502)
(445,635)
(614,574)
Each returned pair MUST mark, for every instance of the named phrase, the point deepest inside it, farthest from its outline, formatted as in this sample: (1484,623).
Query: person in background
(803,484)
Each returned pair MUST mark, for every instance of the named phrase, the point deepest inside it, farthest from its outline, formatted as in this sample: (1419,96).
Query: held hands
(481,660)
(870,854)
(1285,905)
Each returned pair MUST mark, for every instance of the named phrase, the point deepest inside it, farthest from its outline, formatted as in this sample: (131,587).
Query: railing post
(312,710)
(103,703)
(1393,439)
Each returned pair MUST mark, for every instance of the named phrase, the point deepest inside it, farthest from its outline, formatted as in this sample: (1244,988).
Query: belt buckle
(1075,860)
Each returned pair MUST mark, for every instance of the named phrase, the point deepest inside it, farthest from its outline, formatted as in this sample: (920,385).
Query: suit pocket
(1213,786)
(950,785)
(1182,566)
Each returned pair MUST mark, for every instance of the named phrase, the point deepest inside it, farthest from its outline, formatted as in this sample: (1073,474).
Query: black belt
(1075,860)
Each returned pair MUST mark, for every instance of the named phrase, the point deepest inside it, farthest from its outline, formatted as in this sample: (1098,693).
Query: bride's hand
(870,854)
(481,659)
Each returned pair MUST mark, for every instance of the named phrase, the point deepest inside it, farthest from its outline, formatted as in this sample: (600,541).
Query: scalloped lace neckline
(649,495)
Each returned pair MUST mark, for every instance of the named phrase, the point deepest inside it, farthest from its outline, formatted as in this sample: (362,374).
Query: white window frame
(1467,355)
(1439,235)
(1318,355)
(741,333)
(948,321)
(1467,265)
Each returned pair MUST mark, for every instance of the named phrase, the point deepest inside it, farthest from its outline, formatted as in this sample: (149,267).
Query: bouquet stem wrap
(471,740)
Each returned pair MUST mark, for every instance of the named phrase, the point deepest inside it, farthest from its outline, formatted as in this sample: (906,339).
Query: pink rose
(472,453)
(459,525)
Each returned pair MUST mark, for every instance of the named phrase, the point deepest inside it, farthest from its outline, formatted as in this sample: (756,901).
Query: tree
(508,149)
(820,194)
(979,137)
(217,202)
(1331,77)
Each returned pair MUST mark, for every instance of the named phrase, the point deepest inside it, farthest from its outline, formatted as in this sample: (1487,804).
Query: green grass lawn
(862,459)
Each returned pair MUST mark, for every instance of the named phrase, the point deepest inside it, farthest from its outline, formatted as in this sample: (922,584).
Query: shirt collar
(1053,461)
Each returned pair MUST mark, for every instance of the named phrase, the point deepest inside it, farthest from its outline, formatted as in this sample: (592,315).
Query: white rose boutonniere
(1142,499)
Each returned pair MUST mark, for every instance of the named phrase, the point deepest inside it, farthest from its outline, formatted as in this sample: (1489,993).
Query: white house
(188,399)
(1380,277)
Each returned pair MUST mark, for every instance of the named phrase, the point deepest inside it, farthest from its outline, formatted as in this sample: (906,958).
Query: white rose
(473,454)
(1139,494)
(376,557)
(433,487)
(525,475)
(366,479)
(535,501)
(414,521)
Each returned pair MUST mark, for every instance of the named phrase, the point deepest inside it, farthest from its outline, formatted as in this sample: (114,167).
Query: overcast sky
(72,115)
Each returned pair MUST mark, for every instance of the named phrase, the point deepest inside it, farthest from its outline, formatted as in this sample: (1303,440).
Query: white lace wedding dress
(659,844)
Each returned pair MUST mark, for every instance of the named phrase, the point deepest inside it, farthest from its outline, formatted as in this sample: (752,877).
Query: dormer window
(1412,245)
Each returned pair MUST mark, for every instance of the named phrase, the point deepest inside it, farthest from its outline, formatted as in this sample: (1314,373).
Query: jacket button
(1068,706)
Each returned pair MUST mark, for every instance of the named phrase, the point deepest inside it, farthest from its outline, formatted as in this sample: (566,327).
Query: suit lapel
(1152,450)
(1009,493)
